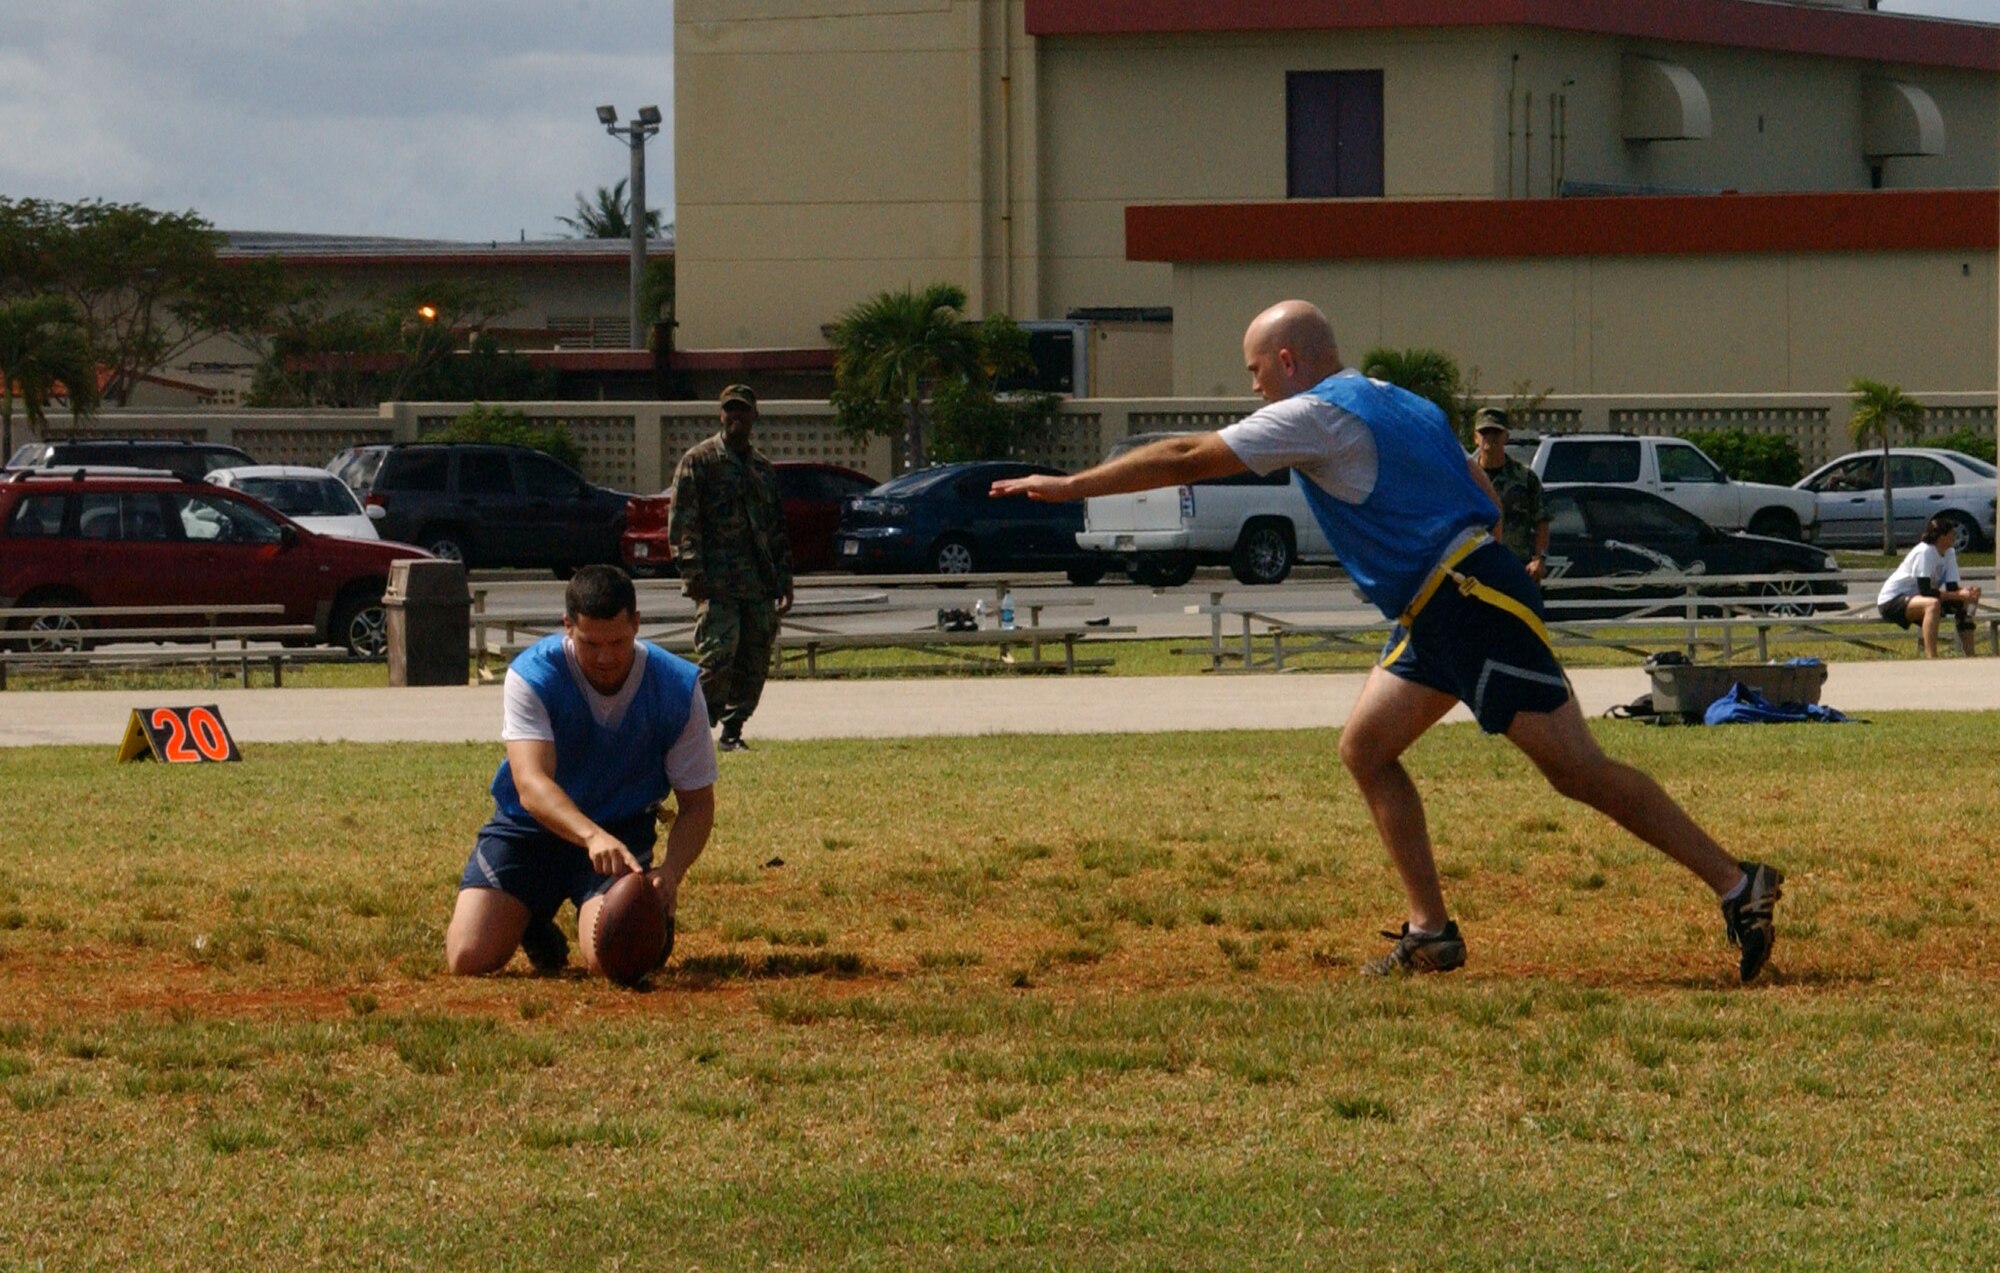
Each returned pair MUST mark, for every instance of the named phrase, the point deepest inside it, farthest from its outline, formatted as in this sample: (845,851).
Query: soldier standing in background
(728,531)
(1524,525)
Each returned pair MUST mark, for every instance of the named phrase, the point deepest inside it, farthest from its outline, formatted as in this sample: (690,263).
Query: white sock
(1737,892)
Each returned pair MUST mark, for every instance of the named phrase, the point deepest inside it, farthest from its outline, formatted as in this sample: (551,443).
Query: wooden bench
(189,648)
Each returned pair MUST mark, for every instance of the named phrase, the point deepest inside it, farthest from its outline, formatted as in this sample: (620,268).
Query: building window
(1333,134)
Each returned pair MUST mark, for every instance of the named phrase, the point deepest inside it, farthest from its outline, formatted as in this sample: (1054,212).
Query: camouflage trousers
(732,643)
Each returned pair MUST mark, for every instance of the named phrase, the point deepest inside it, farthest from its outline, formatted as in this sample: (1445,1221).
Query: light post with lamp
(635,135)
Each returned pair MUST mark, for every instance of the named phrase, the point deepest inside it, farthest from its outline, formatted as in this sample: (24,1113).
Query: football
(629,932)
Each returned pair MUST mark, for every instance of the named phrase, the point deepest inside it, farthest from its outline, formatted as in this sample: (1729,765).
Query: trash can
(429,611)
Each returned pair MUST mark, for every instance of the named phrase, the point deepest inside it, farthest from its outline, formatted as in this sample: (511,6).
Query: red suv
(84,538)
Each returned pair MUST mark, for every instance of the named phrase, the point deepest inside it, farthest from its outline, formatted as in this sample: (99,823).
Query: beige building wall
(835,148)
(827,150)
(1794,323)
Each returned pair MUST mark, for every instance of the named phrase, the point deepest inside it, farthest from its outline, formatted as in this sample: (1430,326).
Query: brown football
(630,931)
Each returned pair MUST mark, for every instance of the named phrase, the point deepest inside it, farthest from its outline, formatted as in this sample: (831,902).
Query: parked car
(812,495)
(943,520)
(189,459)
(1679,472)
(88,539)
(1924,482)
(1260,527)
(485,504)
(1600,534)
(314,498)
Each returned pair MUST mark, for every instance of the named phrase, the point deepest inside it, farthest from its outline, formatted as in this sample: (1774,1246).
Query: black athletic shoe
(732,740)
(1747,917)
(546,947)
(1416,953)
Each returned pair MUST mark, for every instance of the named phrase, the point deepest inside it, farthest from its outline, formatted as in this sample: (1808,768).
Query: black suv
(485,504)
(188,459)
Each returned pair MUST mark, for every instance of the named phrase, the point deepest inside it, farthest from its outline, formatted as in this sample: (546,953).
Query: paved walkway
(912,708)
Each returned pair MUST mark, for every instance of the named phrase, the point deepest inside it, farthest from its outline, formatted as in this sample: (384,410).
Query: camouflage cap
(1489,418)
(738,393)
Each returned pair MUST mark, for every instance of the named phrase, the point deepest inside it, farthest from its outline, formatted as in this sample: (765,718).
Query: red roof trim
(751,360)
(1377,229)
(1746,24)
(590,359)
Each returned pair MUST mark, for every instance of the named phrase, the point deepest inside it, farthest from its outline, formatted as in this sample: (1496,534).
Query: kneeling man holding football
(599,727)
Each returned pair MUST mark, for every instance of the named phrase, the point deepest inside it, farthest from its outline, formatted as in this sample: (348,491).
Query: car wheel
(50,633)
(361,624)
(1787,595)
(1084,576)
(446,542)
(952,556)
(1263,554)
(1163,570)
(1967,539)
(1778,523)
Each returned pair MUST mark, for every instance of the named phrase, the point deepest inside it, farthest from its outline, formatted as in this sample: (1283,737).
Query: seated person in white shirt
(1927,586)
(599,728)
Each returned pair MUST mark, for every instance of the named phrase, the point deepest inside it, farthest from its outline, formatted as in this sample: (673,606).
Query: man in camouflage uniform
(728,531)
(1524,526)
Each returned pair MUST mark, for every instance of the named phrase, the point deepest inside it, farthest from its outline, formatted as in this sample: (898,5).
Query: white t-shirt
(1924,562)
(690,761)
(1331,447)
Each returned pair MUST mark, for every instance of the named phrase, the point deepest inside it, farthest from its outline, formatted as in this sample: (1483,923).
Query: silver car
(1924,482)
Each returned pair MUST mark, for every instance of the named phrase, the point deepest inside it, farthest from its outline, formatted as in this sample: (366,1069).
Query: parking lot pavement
(917,708)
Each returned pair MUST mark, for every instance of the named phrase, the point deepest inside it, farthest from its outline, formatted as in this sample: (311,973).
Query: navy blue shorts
(541,869)
(1480,654)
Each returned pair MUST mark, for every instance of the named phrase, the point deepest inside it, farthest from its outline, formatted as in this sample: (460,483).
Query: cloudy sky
(421,118)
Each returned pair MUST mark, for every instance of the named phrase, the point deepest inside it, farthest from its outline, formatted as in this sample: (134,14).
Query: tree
(425,341)
(1881,411)
(483,423)
(1432,375)
(148,285)
(609,216)
(891,354)
(42,344)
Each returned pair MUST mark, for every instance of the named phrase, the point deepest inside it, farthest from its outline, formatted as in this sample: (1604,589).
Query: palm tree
(1880,411)
(1431,374)
(894,350)
(42,345)
(610,217)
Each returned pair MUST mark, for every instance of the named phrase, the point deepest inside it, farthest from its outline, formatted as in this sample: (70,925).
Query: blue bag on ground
(1743,705)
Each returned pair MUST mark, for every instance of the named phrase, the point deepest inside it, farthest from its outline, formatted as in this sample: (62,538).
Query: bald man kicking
(1414,521)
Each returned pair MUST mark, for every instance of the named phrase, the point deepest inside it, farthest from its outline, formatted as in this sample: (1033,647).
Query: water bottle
(979,612)
(1007,610)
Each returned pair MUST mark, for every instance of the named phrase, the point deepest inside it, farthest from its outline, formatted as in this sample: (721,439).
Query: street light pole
(635,134)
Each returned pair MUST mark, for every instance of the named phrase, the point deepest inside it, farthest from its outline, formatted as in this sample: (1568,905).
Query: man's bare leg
(1391,714)
(1563,749)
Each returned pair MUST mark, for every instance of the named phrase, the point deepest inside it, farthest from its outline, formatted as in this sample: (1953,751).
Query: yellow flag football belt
(1467,586)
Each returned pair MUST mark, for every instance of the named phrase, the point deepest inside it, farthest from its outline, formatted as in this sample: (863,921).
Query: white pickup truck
(1681,474)
(1260,527)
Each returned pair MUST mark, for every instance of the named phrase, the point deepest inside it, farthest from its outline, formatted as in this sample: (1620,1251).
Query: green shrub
(1967,440)
(1751,457)
(505,424)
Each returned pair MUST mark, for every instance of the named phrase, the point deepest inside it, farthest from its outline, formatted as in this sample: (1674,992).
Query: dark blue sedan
(942,521)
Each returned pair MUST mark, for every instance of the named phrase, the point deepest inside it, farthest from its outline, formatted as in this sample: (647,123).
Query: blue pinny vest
(1424,497)
(611,774)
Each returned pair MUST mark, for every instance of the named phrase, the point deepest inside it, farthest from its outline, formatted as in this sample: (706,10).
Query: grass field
(1065,1003)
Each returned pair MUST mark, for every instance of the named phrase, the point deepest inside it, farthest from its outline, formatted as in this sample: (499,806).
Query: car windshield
(916,483)
(303,496)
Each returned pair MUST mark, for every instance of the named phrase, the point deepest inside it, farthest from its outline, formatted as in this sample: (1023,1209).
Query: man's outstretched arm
(1168,462)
